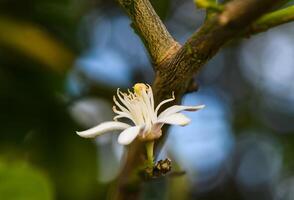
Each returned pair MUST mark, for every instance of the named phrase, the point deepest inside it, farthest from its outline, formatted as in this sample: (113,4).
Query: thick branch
(150,28)
(271,20)
(205,43)
(128,184)
(176,67)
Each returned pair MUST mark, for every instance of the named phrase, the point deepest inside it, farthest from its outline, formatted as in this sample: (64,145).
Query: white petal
(175,109)
(103,128)
(128,135)
(175,119)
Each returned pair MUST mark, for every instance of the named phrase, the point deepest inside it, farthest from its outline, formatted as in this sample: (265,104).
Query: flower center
(139,88)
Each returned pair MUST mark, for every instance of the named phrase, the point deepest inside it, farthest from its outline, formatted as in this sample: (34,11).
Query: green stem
(210,5)
(273,19)
(149,150)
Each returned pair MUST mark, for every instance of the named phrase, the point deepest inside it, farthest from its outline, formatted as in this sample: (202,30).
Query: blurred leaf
(19,181)
(35,43)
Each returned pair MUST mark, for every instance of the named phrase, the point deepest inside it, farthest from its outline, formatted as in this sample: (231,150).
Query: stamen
(139,88)
(164,102)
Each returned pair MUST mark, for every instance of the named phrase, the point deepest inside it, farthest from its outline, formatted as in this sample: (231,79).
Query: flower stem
(149,150)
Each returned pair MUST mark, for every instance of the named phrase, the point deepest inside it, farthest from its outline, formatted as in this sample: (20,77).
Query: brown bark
(175,66)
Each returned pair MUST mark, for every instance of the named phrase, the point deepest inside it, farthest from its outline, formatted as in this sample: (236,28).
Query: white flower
(138,107)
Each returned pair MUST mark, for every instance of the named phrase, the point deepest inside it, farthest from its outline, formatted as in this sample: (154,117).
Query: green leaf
(19,181)
(34,42)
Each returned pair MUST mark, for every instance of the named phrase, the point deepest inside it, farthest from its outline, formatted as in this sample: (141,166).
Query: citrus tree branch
(236,17)
(147,24)
(176,66)
(271,20)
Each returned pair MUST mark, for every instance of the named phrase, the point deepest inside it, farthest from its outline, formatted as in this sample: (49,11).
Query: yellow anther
(139,87)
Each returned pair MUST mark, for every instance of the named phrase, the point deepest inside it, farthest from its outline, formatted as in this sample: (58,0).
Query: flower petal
(128,135)
(175,119)
(175,109)
(103,128)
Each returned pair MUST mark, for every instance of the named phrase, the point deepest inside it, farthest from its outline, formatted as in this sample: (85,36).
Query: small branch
(209,5)
(150,28)
(271,20)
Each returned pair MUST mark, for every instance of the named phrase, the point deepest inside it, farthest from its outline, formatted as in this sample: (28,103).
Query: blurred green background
(62,60)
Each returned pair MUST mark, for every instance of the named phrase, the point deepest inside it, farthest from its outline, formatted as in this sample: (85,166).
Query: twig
(271,20)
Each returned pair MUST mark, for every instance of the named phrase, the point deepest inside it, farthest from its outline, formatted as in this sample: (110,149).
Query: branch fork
(176,65)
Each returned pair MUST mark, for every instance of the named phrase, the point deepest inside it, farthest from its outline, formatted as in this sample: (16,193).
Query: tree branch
(271,20)
(214,33)
(175,67)
(128,184)
(150,28)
